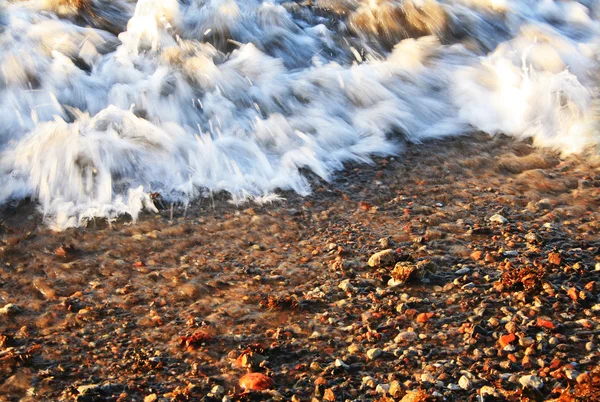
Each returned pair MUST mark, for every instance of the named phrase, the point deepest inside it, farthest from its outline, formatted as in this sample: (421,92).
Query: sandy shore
(181,309)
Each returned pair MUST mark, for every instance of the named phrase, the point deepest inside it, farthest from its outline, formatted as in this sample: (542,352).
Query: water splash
(103,102)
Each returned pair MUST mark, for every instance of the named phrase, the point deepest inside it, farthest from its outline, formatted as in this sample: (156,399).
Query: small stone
(395,389)
(88,389)
(427,378)
(340,363)
(497,218)
(382,389)
(554,258)
(507,340)
(572,374)
(329,395)
(465,383)
(256,382)
(424,317)
(151,398)
(10,309)
(384,242)
(368,382)
(544,203)
(526,341)
(531,381)
(511,327)
(414,396)
(462,271)
(509,348)
(354,348)
(487,390)
(477,255)
(346,286)
(383,258)
(406,271)
(217,390)
(531,237)
(407,336)
(583,378)
(373,354)
(544,323)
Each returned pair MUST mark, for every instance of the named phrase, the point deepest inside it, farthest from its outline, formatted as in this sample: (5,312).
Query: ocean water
(104,102)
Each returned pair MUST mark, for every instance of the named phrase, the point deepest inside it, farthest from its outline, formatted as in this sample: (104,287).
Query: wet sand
(181,308)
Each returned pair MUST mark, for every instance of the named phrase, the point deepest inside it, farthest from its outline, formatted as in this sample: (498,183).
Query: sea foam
(103,103)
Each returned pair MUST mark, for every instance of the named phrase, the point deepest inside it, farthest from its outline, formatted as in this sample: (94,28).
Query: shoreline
(182,310)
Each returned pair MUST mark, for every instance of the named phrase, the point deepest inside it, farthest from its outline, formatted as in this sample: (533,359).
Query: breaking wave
(103,102)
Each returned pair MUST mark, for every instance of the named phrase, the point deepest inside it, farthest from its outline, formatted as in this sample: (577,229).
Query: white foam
(239,96)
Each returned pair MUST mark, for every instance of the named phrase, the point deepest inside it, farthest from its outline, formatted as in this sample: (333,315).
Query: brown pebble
(554,258)
(256,382)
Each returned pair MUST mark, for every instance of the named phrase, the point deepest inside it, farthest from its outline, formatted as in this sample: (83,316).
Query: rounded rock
(256,382)
(531,381)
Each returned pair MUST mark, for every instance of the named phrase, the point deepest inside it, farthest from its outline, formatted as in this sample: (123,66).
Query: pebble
(346,286)
(10,309)
(427,378)
(368,382)
(497,218)
(412,396)
(531,381)
(406,336)
(382,389)
(340,363)
(531,237)
(572,374)
(374,353)
(462,271)
(395,389)
(544,203)
(487,390)
(465,383)
(526,341)
(256,382)
(354,348)
(382,258)
(217,390)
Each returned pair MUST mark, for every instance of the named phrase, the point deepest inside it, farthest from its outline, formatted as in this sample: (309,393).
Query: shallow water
(103,102)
